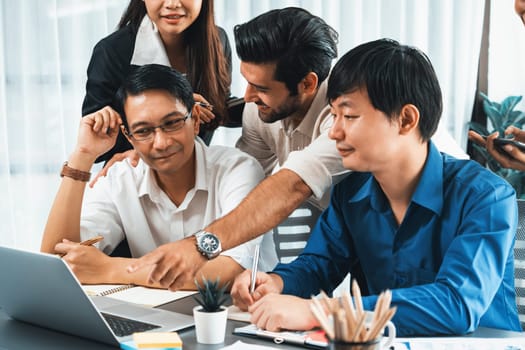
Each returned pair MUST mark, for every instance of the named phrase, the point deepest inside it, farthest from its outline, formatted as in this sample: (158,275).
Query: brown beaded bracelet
(75,174)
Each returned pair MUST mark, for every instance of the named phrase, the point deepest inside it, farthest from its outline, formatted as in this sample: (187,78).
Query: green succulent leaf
(211,294)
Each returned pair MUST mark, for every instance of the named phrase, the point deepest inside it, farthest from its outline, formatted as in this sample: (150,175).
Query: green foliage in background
(501,115)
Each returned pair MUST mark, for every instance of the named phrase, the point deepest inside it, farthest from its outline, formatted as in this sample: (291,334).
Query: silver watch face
(209,243)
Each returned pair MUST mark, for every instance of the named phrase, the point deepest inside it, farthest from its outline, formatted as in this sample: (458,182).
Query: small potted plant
(210,315)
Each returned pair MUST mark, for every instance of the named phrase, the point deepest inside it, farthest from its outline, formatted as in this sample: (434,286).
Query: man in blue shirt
(437,231)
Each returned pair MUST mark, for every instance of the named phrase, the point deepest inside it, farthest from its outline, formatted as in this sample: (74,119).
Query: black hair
(155,77)
(297,41)
(393,75)
(133,14)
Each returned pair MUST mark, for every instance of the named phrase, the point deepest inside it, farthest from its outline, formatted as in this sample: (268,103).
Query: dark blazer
(110,64)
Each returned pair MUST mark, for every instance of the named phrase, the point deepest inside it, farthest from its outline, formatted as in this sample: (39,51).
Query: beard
(286,109)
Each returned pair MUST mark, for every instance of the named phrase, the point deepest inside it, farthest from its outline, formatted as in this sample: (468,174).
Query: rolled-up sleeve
(319,164)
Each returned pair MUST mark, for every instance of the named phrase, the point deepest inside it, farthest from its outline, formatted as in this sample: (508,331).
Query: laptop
(41,289)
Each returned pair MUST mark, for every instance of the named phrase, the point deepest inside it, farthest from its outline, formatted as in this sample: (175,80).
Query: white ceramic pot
(210,327)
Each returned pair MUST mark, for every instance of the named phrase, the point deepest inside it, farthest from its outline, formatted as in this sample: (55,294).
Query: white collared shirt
(149,47)
(128,203)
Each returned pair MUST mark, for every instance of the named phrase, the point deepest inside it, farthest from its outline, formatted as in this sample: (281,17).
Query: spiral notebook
(151,297)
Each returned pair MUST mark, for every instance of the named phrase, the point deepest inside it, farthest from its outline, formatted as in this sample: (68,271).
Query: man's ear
(196,116)
(123,131)
(308,85)
(408,119)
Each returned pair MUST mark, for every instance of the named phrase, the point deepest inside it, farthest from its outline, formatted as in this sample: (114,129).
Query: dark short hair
(297,41)
(155,77)
(393,75)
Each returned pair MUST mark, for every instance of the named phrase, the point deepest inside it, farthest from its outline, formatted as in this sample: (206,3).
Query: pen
(254,268)
(205,105)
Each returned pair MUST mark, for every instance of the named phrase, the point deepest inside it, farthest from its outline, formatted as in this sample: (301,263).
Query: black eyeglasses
(146,133)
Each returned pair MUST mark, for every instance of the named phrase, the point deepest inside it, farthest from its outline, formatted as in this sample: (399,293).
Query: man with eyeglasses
(179,185)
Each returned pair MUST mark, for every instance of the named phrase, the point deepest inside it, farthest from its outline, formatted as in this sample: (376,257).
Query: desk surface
(16,335)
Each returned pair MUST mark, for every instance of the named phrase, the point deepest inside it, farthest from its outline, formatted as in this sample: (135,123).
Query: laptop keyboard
(124,326)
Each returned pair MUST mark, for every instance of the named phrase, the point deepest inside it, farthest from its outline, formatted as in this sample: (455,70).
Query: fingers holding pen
(205,109)
(264,284)
(205,114)
(240,291)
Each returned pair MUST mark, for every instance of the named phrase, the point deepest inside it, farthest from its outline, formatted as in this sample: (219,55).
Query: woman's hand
(131,155)
(205,109)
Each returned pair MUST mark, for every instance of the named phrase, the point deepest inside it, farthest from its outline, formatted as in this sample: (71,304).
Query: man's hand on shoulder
(171,264)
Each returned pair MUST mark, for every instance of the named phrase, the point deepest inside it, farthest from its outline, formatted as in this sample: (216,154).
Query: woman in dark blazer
(177,33)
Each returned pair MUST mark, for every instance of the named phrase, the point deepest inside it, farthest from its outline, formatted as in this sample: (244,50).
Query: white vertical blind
(506,53)
(43,60)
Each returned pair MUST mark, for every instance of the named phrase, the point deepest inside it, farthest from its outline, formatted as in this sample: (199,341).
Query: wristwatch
(208,244)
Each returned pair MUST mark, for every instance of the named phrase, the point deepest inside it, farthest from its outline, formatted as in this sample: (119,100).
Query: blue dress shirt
(449,264)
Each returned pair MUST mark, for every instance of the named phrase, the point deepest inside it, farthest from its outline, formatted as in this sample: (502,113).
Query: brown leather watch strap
(75,174)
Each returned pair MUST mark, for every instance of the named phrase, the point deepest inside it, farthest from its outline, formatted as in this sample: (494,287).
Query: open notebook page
(136,294)
(236,314)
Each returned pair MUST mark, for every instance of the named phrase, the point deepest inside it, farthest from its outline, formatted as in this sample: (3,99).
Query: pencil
(88,242)
(318,312)
(344,321)
(357,298)
(381,323)
(92,241)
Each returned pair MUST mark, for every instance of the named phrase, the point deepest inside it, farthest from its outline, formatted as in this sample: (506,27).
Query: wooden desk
(16,335)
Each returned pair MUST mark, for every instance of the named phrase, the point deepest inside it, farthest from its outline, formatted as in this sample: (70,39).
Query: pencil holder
(374,344)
